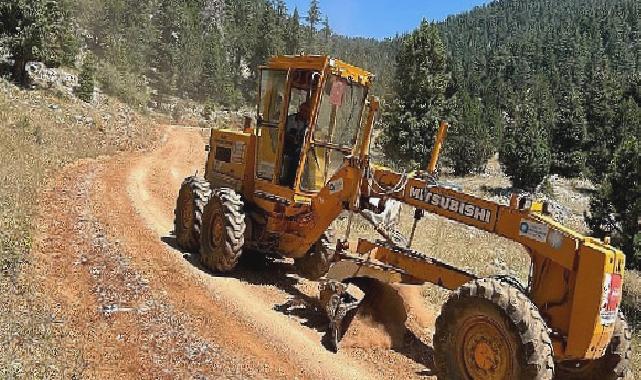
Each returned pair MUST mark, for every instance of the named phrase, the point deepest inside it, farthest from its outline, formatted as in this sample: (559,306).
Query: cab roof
(322,63)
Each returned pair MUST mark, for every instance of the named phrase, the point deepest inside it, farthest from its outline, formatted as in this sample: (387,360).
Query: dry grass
(40,133)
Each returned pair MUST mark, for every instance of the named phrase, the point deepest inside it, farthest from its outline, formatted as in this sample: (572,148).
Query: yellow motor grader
(278,186)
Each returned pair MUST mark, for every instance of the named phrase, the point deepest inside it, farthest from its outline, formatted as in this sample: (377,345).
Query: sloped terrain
(118,299)
(127,302)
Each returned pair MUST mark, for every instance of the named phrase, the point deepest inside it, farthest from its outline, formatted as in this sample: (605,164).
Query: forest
(552,86)
(558,86)
(209,50)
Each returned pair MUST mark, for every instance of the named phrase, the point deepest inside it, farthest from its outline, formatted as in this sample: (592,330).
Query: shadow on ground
(256,269)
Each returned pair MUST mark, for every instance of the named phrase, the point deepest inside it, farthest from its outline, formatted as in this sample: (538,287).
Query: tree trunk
(19,72)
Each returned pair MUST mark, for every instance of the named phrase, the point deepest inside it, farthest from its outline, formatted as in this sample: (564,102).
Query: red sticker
(614,298)
(338,89)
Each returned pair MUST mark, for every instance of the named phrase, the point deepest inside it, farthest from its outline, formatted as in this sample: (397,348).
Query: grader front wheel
(223,236)
(489,330)
(192,198)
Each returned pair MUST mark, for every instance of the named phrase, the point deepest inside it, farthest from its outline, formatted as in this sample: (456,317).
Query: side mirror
(207,147)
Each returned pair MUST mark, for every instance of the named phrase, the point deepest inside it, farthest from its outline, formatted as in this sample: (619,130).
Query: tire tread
(537,361)
(200,192)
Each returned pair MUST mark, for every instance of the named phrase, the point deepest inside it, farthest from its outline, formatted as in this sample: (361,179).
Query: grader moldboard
(277,187)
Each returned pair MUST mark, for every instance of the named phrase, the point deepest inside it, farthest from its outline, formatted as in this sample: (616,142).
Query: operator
(294,136)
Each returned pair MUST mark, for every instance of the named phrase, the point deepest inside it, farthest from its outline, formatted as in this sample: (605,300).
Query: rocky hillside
(40,132)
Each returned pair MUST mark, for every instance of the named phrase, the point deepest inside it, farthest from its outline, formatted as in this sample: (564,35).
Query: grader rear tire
(612,366)
(223,236)
(316,263)
(192,198)
(489,330)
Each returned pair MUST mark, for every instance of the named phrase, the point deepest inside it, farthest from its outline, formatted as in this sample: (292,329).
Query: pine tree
(327,31)
(292,34)
(616,209)
(87,79)
(270,39)
(568,136)
(164,55)
(603,135)
(540,88)
(313,19)
(111,23)
(421,84)
(190,48)
(629,118)
(469,144)
(37,30)
(241,31)
(217,84)
(281,10)
(524,152)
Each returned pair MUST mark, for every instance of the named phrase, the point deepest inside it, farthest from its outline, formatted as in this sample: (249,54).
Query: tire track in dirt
(133,305)
(113,316)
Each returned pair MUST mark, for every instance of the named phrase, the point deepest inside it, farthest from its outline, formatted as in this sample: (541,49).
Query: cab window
(304,85)
(271,106)
(339,122)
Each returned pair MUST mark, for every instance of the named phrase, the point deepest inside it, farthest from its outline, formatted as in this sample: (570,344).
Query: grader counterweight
(278,187)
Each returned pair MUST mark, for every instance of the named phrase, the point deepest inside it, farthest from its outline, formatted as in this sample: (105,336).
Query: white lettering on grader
(451,204)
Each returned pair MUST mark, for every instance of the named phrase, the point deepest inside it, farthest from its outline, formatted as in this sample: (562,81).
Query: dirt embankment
(129,304)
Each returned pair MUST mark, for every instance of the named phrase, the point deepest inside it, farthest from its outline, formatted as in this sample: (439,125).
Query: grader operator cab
(276,188)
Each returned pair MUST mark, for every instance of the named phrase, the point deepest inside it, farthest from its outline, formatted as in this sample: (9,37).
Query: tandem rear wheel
(193,196)
(223,232)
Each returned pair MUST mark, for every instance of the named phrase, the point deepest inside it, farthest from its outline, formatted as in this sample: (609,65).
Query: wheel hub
(486,350)
(186,219)
(218,228)
(485,357)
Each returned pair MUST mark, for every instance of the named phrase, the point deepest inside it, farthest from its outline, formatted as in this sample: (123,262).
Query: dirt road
(130,305)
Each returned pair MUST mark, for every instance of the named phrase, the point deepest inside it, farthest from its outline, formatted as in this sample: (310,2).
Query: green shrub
(524,153)
(470,141)
(126,86)
(422,80)
(87,79)
(616,208)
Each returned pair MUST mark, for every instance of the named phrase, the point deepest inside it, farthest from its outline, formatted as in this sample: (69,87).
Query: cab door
(272,110)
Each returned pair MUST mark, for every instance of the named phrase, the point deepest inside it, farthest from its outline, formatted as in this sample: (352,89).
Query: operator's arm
(290,136)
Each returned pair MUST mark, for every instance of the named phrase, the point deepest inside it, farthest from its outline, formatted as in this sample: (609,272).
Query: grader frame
(568,314)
